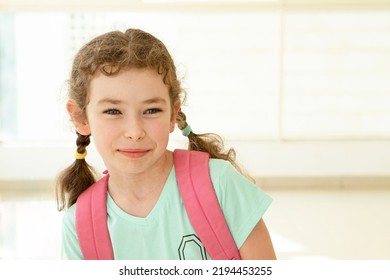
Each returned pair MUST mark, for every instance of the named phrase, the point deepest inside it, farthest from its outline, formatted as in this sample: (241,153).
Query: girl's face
(130,118)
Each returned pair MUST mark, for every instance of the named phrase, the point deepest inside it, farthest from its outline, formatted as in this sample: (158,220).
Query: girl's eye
(152,111)
(112,112)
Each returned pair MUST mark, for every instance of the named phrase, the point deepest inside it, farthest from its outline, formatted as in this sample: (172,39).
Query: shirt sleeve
(243,203)
(70,245)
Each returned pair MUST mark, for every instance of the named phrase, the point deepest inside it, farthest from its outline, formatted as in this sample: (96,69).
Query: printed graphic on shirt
(191,248)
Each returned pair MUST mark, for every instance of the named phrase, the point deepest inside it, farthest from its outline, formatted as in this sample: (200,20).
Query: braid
(210,143)
(82,142)
(76,178)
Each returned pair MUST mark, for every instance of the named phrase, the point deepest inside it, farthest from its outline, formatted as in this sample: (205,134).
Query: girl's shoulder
(224,171)
(218,166)
(230,184)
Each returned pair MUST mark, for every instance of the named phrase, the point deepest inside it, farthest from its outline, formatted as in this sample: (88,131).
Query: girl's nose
(134,131)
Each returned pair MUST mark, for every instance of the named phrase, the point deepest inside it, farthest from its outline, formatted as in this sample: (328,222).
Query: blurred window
(249,75)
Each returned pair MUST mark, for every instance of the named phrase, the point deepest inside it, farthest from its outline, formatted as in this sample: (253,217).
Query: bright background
(301,90)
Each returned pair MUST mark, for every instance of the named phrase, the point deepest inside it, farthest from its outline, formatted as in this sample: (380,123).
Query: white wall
(261,159)
(297,93)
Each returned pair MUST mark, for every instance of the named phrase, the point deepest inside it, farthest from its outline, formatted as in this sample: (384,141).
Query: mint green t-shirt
(166,233)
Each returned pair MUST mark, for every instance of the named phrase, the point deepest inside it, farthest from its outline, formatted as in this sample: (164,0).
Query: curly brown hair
(110,53)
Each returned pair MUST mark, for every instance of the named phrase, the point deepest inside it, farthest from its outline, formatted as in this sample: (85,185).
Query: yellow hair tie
(77,155)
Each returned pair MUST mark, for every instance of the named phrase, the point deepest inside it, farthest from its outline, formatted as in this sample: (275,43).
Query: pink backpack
(200,201)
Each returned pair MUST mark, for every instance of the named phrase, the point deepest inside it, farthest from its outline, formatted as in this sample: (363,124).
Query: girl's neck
(137,194)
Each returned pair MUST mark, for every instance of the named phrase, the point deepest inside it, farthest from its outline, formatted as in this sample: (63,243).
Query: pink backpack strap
(201,203)
(91,222)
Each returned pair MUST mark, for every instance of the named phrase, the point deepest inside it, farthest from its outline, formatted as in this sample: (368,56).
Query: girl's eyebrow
(155,100)
(110,100)
(147,101)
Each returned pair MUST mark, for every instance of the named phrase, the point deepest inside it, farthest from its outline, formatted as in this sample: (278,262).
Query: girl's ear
(78,118)
(175,111)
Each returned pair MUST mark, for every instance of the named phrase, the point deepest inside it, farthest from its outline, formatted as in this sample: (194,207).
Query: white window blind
(337,75)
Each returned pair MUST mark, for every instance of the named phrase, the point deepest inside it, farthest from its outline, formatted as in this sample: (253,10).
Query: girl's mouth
(133,153)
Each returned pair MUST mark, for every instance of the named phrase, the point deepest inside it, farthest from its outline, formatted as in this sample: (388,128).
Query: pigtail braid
(210,143)
(76,178)
(207,142)
(82,142)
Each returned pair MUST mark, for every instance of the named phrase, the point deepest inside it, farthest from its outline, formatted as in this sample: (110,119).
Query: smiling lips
(133,153)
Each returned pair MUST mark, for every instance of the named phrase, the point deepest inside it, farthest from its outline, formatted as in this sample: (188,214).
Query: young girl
(124,92)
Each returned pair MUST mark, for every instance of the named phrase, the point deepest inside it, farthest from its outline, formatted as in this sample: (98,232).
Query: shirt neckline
(154,213)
